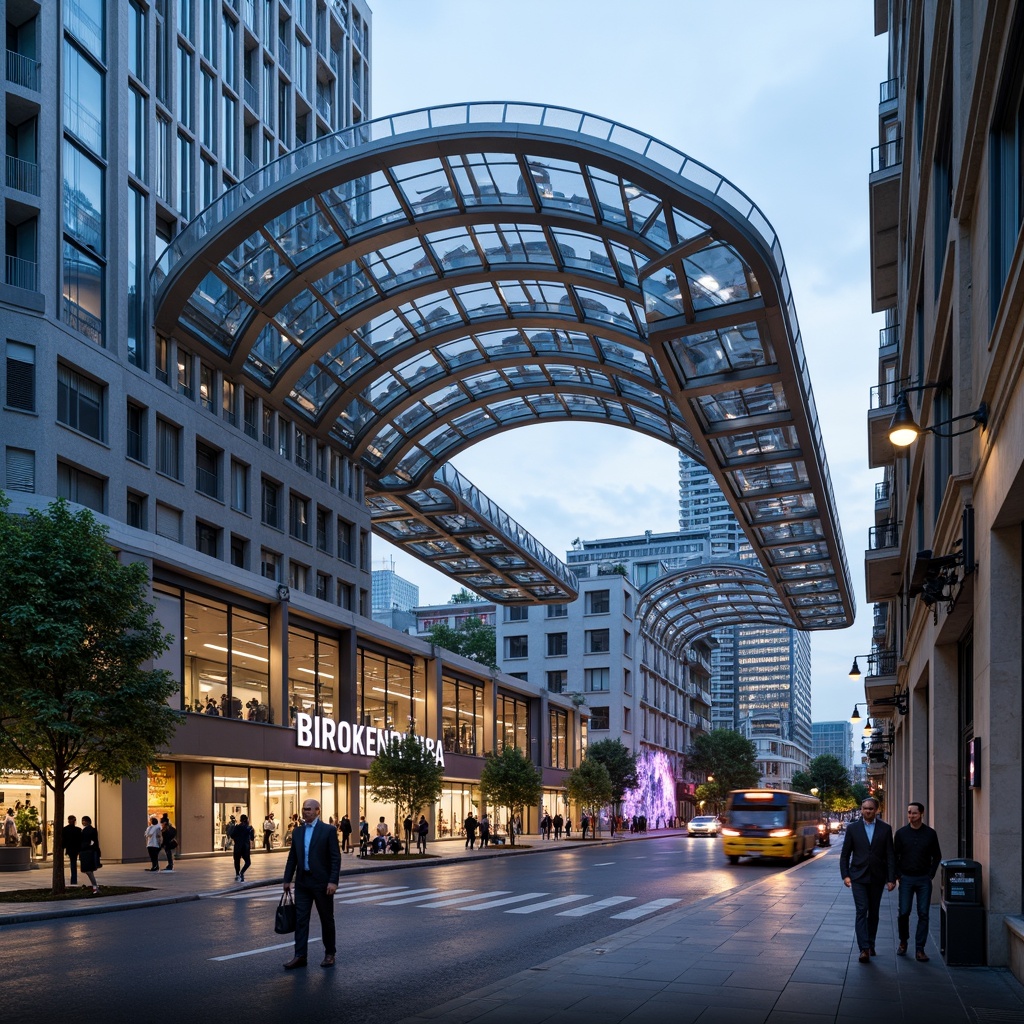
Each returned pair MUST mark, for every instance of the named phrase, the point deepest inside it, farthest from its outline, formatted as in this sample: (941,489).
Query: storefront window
(168,614)
(385,692)
(312,674)
(401,716)
(206,658)
(558,727)
(230,802)
(161,791)
(462,718)
(513,722)
(314,786)
(250,665)
(284,803)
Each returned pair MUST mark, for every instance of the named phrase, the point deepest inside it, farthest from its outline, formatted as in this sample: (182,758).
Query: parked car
(705,825)
(824,833)
(837,827)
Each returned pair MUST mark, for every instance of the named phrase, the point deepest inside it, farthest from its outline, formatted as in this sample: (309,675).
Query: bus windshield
(759,817)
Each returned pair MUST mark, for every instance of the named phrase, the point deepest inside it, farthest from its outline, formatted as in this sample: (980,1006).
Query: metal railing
(21,273)
(22,175)
(250,95)
(888,154)
(207,482)
(884,395)
(882,491)
(23,71)
(889,336)
(883,537)
(882,663)
(284,56)
(888,91)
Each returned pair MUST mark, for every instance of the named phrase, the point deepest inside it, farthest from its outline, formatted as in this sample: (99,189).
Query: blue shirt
(307,835)
(869,830)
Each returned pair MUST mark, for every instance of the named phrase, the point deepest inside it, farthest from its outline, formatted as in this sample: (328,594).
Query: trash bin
(961,914)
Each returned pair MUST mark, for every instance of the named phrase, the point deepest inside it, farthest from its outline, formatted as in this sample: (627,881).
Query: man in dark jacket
(71,840)
(314,860)
(868,866)
(918,856)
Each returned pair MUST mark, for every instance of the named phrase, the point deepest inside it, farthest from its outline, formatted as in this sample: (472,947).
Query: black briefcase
(284,917)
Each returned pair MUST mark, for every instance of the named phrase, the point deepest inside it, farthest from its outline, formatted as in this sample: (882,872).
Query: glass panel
(250,665)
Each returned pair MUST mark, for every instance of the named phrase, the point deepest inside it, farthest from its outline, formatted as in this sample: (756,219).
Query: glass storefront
(462,716)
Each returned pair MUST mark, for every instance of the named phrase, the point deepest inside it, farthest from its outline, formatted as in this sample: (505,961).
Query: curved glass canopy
(414,284)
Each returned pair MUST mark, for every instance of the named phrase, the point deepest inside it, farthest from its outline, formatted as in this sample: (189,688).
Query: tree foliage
(620,762)
(727,760)
(75,629)
(589,785)
(472,639)
(406,774)
(827,775)
(510,780)
(464,596)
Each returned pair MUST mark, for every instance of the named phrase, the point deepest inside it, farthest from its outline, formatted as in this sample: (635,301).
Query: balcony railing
(22,175)
(249,94)
(23,71)
(888,92)
(889,154)
(284,56)
(21,273)
(883,395)
(889,336)
(882,491)
(207,482)
(885,536)
(882,663)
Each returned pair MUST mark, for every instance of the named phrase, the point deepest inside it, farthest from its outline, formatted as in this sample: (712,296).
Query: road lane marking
(260,895)
(392,890)
(505,902)
(264,949)
(591,908)
(434,894)
(605,864)
(643,910)
(547,904)
(464,899)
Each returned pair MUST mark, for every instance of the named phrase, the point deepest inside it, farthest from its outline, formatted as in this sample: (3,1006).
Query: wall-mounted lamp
(903,428)
(899,700)
(880,663)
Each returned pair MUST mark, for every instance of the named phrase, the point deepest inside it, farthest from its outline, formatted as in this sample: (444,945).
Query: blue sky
(779,97)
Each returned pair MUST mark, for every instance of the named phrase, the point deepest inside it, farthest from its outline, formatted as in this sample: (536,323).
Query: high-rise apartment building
(835,738)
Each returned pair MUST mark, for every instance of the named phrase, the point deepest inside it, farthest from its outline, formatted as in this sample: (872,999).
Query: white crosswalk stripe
(643,910)
(392,890)
(593,908)
(465,899)
(547,904)
(434,894)
(503,903)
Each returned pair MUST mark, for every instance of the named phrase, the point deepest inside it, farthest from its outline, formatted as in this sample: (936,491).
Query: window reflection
(513,722)
(462,716)
(312,674)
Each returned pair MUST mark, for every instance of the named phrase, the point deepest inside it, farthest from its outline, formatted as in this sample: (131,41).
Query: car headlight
(780,833)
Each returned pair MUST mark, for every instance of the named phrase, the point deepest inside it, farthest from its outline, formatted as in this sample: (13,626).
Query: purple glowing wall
(655,792)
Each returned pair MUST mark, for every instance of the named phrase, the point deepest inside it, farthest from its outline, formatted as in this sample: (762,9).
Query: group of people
(82,846)
(556,825)
(874,861)
(161,835)
(472,825)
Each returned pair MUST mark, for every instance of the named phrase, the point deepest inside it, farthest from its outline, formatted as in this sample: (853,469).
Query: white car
(706,825)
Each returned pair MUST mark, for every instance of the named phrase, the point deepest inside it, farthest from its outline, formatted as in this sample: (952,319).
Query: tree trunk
(57,886)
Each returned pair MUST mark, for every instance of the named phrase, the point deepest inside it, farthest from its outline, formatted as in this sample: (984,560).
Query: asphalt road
(407,940)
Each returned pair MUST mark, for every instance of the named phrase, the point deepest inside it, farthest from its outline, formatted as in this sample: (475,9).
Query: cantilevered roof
(414,284)
(682,606)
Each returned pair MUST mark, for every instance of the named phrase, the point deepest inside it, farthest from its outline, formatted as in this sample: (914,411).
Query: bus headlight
(730,831)
(780,833)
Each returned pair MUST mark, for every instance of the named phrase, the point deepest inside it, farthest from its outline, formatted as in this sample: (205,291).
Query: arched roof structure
(414,284)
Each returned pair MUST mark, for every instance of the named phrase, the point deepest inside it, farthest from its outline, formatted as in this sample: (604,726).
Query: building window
(185,374)
(345,594)
(168,522)
(627,719)
(517,647)
(207,539)
(597,602)
(270,565)
(135,428)
(270,498)
(517,613)
(168,449)
(558,681)
(627,681)
(302,450)
(21,377)
(298,517)
(250,412)
(21,470)
(323,586)
(239,486)
(558,644)
(345,549)
(229,402)
(239,551)
(79,486)
(323,530)
(558,729)
(83,293)
(80,403)
(599,718)
(207,383)
(597,641)
(513,722)
(135,508)
(557,611)
(207,470)
(596,680)
(298,577)
(627,643)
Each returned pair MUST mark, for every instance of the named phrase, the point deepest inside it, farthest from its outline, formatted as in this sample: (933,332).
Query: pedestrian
(470,825)
(868,867)
(345,828)
(518,821)
(568,828)
(364,835)
(314,860)
(169,840)
(71,840)
(558,821)
(585,823)
(916,848)
(243,835)
(154,840)
(545,826)
(485,830)
(407,828)
(269,828)
(422,828)
(10,829)
(89,856)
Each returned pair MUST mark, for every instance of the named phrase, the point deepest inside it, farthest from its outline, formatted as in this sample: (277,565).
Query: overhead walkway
(417,283)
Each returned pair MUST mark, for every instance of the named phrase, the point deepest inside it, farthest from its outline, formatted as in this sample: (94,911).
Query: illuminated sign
(348,738)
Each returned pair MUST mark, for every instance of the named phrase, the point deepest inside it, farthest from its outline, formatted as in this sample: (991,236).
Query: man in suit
(314,860)
(868,866)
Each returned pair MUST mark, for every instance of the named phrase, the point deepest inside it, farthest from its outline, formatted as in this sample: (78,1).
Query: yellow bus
(770,823)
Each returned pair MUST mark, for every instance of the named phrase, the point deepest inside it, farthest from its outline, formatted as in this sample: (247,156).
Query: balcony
(882,562)
(21,273)
(883,501)
(884,215)
(249,95)
(881,452)
(22,175)
(888,97)
(23,71)
(888,341)
(880,623)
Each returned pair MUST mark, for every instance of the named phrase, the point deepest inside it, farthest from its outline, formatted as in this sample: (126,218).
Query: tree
(75,629)
(464,596)
(827,775)
(472,639)
(405,773)
(510,780)
(589,785)
(859,792)
(726,759)
(621,764)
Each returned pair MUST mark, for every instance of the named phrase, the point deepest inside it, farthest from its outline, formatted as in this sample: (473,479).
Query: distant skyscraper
(393,593)
(835,738)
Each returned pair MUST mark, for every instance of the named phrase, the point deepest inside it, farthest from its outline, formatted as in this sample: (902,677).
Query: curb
(93,908)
